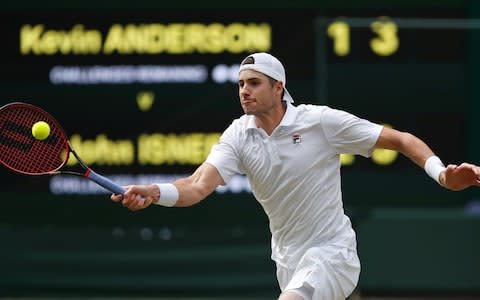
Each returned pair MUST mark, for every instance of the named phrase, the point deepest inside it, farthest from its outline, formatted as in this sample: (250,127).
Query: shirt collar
(287,120)
(290,115)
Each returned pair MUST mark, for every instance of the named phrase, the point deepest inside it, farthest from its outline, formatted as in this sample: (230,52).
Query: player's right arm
(191,189)
(198,186)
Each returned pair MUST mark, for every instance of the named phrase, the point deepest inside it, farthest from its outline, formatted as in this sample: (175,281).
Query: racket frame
(89,173)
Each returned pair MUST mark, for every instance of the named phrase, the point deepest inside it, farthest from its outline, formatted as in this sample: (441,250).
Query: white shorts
(323,273)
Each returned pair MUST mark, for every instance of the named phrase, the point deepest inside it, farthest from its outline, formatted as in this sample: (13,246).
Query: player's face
(257,93)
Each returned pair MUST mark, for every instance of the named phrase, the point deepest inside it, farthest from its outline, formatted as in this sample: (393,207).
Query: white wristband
(433,167)
(168,194)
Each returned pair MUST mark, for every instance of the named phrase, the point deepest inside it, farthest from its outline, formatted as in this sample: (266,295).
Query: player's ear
(279,88)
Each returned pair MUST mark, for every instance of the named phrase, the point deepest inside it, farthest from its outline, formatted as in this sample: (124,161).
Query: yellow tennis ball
(40,130)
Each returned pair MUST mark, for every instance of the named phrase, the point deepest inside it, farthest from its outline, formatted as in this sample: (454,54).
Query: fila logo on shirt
(296,138)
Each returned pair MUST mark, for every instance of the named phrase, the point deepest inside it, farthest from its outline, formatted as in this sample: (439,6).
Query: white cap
(269,65)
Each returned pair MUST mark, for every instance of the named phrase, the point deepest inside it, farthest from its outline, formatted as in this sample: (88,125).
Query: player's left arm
(453,177)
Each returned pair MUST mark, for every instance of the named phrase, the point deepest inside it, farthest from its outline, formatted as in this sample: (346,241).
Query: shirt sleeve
(224,155)
(348,133)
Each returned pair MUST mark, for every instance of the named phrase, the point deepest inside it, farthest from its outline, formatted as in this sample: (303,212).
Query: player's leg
(289,295)
(284,276)
(304,292)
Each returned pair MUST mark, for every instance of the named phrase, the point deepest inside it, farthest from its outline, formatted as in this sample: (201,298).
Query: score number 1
(385,43)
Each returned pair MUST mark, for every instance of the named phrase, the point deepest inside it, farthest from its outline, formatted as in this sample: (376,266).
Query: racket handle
(104,182)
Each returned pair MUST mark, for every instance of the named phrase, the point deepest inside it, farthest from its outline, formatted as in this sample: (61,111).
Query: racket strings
(20,151)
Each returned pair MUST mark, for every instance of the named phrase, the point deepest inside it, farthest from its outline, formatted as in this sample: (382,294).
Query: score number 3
(385,43)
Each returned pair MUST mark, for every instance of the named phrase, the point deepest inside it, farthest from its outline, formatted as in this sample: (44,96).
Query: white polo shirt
(295,173)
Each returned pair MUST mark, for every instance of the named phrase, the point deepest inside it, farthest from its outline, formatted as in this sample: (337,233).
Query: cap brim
(286,96)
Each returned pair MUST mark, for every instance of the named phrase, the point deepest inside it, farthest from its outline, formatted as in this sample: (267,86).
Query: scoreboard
(412,74)
(136,95)
(144,96)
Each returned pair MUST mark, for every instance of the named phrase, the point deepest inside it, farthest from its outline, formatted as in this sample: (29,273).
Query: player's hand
(460,177)
(138,197)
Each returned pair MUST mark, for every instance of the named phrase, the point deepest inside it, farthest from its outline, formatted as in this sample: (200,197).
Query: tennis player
(290,155)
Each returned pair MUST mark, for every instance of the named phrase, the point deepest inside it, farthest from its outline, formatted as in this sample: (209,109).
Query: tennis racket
(23,153)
